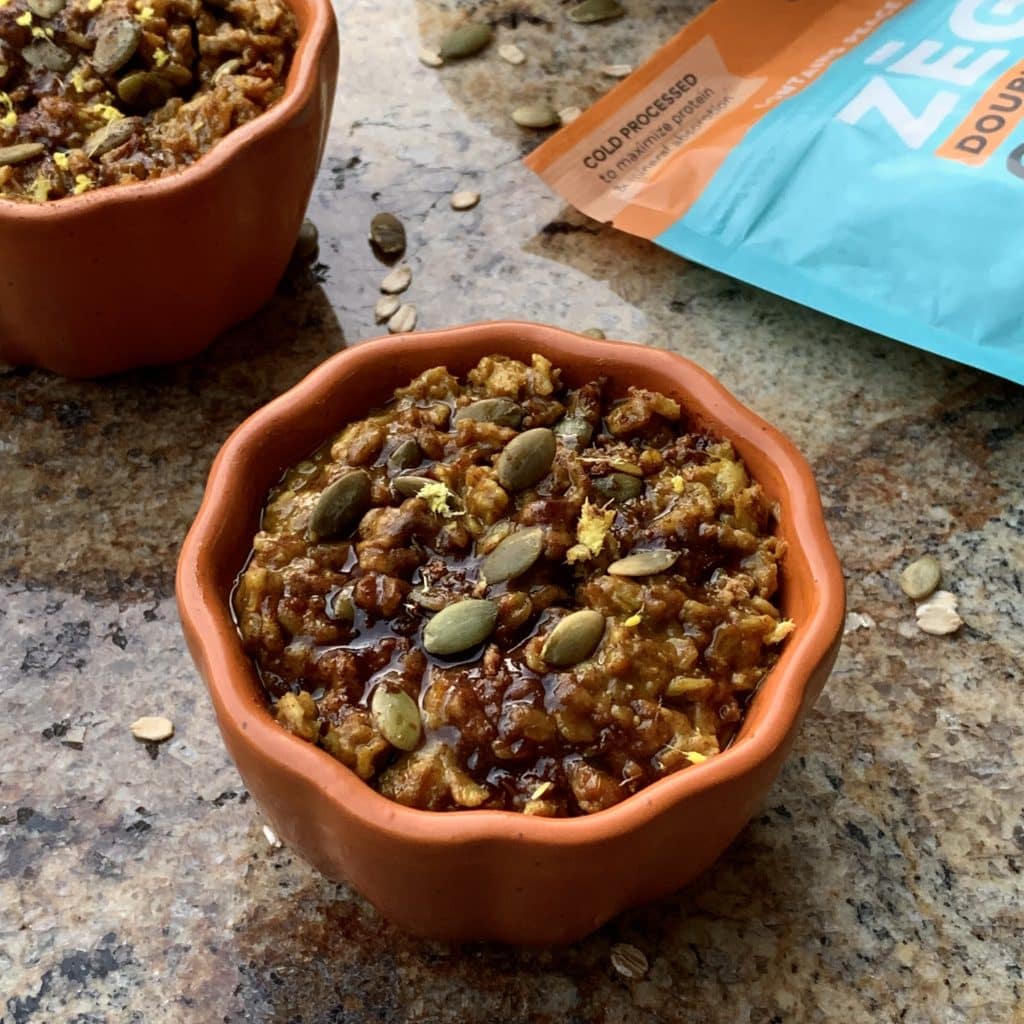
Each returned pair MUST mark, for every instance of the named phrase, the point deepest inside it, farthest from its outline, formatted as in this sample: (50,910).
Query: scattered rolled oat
(511,53)
(465,200)
(152,728)
(938,615)
(535,116)
(397,281)
(617,70)
(404,320)
(920,578)
(74,737)
(858,620)
(386,308)
(629,961)
(569,114)
(431,58)
(271,837)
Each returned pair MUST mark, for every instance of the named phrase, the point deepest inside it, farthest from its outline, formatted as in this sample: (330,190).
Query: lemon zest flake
(82,184)
(541,790)
(78,81)
(438,499)
(61,160)
(106,111)
(24,20)
(145,13)
(160,57)
(678,483)
(635,619)
(9,120)
(694,756)
(41,189)
(591,531)
(94,5)
(780,632)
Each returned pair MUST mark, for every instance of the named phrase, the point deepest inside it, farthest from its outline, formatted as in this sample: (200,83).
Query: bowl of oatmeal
(511,629)
(140,141)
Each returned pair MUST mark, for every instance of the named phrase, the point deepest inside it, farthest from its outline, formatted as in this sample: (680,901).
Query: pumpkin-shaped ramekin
(497,875)
(135,275)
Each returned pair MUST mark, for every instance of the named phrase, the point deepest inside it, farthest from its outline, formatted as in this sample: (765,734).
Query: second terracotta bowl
(133,275)
(496,875)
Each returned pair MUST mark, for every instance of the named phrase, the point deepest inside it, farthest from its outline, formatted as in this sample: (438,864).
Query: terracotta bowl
(134,275)
(497,875)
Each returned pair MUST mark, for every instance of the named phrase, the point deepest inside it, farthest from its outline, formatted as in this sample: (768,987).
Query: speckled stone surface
(882,881)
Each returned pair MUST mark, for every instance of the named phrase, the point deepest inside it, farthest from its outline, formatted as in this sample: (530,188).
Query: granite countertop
(881,882)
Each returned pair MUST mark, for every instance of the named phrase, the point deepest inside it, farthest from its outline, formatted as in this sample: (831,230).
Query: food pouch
(864,157)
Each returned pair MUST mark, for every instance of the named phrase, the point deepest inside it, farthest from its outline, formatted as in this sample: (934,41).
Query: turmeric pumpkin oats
(109,92)
(506,593)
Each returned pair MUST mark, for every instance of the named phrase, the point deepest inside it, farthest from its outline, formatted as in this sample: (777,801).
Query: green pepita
(644,563)
(46,8)
(11,155)
(574,639)
(619,487)
(465,40)
(526,459)
(387,234)
(116,45)
(514,555)
(341,505)
(307,243)
(537,115)
(591,11)
(110,136)
(920,579)
(502,411)
(460,626)
(43,53)
(397,717)
(410,486)
(144,90)
(406,455)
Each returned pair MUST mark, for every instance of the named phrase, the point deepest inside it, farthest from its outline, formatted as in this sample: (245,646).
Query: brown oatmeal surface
(109,92)
(333,620)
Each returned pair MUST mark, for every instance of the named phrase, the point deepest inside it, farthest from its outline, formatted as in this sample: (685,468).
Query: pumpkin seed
(177,74)
(144,90)
(388,234)
(514,555)
(938,615)
(526,459)
(411,485)
(920,578)
(11,155)
(404,320)
(536,115)
(574,639)
(397,281)
(406,455)
(340,607)
(341,505)
(464,200)
(511,53)
(229,67)
(465,40)
(431,58)
(629,961)
(116,45)
(307,244)
(502,411)
(44,53)
(460,626)
(152,728)
(644,563)
(574,432)
(110,136)
(386,308)
(619,487)
(397,717)
(594,332)
(590,11)
(46,8)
